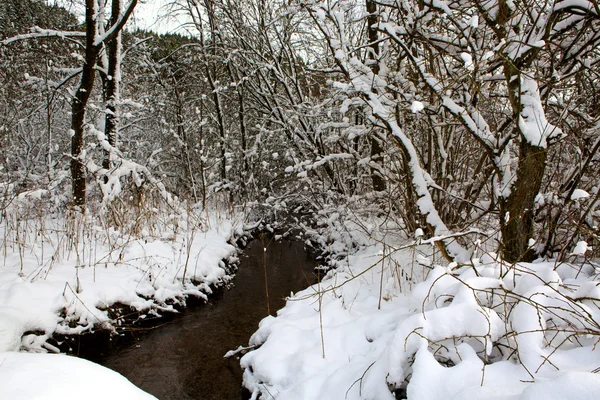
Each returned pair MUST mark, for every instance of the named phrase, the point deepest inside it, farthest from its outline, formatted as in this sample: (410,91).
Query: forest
(441,156)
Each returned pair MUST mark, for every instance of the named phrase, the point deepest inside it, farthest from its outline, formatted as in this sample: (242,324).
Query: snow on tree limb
(533,124)
(371,87)
(39,33)
(114,30)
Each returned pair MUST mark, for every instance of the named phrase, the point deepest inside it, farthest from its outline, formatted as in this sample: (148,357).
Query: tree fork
(82,95)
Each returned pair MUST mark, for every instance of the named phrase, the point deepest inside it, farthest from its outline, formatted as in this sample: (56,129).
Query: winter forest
(437,163)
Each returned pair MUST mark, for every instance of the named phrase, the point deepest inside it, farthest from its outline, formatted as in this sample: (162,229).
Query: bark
(517,229)
(243,135)
(82,95)
(112,83)
(78,106)
(516,210)
(181,133)
(220,121)
(376,149)
(410,212)
(200,140)
(211,74)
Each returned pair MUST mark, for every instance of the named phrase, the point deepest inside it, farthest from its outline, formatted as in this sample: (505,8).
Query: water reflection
(184,358)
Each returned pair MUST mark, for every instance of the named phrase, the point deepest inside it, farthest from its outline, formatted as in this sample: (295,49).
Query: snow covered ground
(50,287)
(389,315)
(59,377)
(61,275)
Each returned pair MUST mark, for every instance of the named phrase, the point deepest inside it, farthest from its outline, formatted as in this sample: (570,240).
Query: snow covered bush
(392,322)
(482,109)
(64,271)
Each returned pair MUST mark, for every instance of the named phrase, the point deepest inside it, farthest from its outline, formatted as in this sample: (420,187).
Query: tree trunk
(112,85)
(211,74)
(516,210)
(243,134)
(84,90)
(516,217)
(376,149)
(79,104)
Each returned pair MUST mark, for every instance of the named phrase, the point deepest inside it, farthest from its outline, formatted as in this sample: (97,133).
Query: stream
(183,358)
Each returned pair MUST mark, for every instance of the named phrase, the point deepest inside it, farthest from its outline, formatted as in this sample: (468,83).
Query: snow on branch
(39,33)
(330,157)
(582,5)
(110,180)
(371,87)
(532,121)
(116,28)
(472,120)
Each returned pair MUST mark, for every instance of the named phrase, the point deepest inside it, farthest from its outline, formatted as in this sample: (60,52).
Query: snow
(468,60)
(394,314)
(49,287)
(580,248)
(416,106)
(532,122)
(60,274)
(59,377)
(483,331)
(579,194)
(476,124)
(581,386)
(474,22)
(37,32)
(583,4)
(363,80)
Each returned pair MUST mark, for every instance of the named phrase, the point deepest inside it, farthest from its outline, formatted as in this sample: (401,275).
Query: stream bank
(182,358)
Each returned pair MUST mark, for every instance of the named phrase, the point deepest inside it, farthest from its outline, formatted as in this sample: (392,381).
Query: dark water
(183,359)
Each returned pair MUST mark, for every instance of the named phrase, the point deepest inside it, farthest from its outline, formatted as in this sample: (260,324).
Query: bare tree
(93,45)
(496,78)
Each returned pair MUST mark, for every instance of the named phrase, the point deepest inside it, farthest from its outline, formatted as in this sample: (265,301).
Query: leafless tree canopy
(449,116)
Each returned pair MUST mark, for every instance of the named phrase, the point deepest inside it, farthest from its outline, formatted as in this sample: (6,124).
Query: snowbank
(60,276)
(58,377)
(389,316)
